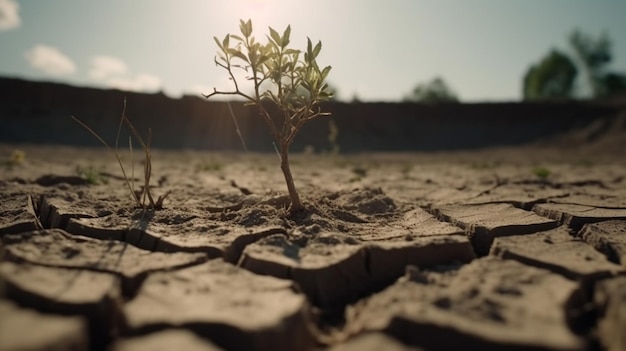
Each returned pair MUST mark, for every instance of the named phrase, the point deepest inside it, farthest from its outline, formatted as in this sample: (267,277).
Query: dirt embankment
(37,112)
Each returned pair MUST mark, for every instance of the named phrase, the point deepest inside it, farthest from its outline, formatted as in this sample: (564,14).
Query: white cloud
(50,60)
(9,14)
(103,67)
(114,73)
(141,82)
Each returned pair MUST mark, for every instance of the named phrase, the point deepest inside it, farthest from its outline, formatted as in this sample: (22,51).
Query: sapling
(286,78)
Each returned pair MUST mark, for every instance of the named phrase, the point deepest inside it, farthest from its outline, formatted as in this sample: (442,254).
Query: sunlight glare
(260,11)
(256,7)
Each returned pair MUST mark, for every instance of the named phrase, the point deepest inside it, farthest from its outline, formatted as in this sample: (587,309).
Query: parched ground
(517,249)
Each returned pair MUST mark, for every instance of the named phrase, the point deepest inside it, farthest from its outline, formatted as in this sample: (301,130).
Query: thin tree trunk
(296,205)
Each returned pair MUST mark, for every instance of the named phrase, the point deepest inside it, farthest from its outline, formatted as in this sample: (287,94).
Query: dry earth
(462,251)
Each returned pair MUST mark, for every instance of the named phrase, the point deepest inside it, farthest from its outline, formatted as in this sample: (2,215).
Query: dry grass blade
(32,209)
(117,156)
(132,162)
(145,195)
(232,115)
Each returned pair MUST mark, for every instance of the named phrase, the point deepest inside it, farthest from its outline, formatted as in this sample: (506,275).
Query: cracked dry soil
(463,251)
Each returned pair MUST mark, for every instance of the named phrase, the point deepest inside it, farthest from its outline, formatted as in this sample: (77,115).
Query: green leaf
(242,27)
(317,49)
(226,41)
(309,46)
(323,95)
(237,53)
(266,49)
(289,78)
(253,56)
(245,27)
(219,44)
(285,39)
(275,36)
(313,65)
(325,72)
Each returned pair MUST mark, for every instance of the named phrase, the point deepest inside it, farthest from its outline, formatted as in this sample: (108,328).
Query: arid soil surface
(518,249)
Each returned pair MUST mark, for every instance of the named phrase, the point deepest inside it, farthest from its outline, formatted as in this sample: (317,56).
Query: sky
(379,50)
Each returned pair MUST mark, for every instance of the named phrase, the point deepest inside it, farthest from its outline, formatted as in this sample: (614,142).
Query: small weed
(309,150)
(143,198)
(359,171)
(542,173)
(355,179)
(211,166)
(91,175)
(333,134)
(16,158)
(406,169)
(485,165)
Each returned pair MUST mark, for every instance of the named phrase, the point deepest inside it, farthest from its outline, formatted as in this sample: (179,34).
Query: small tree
(435,91)
(555,76)
(296,86)
(552,77)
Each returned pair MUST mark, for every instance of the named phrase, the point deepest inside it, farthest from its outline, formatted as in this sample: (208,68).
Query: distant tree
(614,83)
(553,77)
(593,56)
(434,91)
